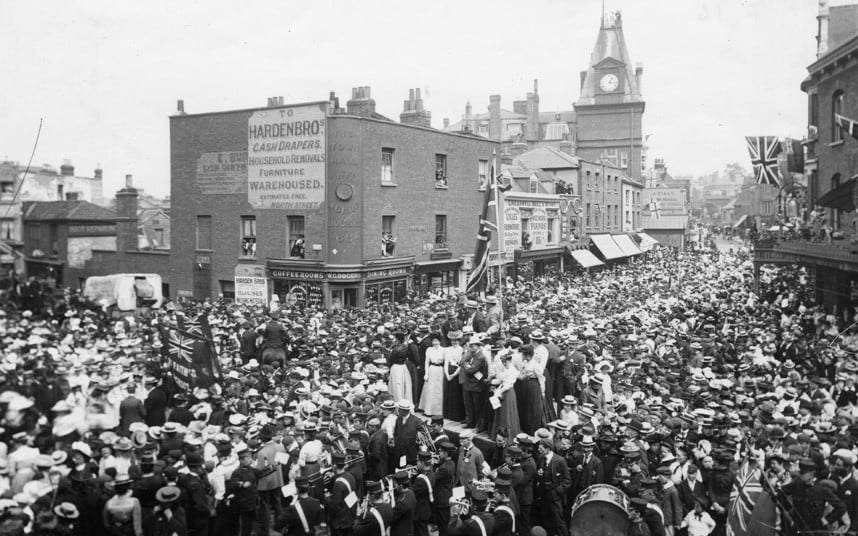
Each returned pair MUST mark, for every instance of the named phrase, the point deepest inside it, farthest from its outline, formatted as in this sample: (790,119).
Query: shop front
(532,234)
(438,277)
(539,263)
(336,287)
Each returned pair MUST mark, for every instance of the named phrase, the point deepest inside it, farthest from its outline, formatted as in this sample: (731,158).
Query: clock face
(609,82)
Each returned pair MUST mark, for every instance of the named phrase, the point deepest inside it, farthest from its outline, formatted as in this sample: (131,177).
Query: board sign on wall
(223,172)
(286,158)
(539,228)
(511,229)
(251,290)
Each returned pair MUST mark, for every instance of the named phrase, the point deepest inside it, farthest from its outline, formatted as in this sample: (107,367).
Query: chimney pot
(535,85)
(446,122)
(98,172)
(417,92)
(180,106)
(129,181)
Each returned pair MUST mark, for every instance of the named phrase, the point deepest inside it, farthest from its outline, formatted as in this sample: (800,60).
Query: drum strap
(480,524)
(302,516)
(377,515)
(508,510)
(428,486)
(652,506)
(346,483)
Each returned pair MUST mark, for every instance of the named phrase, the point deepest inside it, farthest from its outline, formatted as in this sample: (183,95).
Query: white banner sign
(511,229)
(286,158)
(539,228)
(251,290)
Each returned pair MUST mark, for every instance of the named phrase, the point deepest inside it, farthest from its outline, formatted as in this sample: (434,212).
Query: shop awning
(609,249)
(840,197)
(585,258)
(627,244)
(741,221)
(444,265)
(647,242)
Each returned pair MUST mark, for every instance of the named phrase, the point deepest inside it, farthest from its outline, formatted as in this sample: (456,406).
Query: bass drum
(600,510)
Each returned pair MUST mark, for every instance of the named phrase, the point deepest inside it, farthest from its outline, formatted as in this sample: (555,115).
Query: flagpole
(501,278)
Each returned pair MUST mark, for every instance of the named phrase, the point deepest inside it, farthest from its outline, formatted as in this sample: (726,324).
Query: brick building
(610,108)
(322,205)
(41,183)
(831,165)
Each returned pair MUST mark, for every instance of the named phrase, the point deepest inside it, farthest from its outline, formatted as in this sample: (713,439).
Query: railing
(795,244)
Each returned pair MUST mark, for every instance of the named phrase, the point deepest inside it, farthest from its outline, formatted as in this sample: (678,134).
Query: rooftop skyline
(105,76)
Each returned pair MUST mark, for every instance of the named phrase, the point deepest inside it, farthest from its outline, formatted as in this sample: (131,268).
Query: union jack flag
(195,325)
(764,152)
(180,348)
(753,511)
(477,278)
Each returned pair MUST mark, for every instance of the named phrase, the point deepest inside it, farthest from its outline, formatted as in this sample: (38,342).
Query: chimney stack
(361,102)
(126,216)
(532,111)
(495,124)
(413,112)
(822,39)
(67,169)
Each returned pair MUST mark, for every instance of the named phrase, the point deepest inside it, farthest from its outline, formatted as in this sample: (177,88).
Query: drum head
(600,510)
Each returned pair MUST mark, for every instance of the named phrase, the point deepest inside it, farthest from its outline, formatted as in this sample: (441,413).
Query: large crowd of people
(667,378)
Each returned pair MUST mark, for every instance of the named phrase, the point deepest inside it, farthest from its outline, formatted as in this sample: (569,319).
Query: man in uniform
(269,486)
(504,515)
(424,485)
(302,516)
(445,477)
(524,491)
(477,522)
(340,514)
(375,520)
(241,491)
(403,506)
(197,495)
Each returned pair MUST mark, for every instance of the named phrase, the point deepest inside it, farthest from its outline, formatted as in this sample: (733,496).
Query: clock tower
(610,108)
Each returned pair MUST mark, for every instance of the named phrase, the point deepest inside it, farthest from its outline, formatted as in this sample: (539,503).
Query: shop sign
(389,272)
(251,290)
(249,270)
(511,229)
(295,274)
(203,259)
(539,228)
(286,158)
(222,172)
(531,203)
(107,229)
(343,276)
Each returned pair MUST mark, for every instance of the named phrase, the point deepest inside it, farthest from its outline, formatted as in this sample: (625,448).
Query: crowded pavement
(711,409)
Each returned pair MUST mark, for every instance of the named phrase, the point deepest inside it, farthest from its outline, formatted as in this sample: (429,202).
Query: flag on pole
(203,356)
(752,511)
(847,124)
(479,272)
(764,152)
(191,360)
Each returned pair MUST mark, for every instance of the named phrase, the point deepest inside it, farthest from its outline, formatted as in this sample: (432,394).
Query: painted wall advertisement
(539,228)
(511,229)
(251,290)
(222,172)
(286,158)
(665,201)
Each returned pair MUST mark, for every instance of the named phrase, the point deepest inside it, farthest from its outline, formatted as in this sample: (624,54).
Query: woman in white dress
(432,398)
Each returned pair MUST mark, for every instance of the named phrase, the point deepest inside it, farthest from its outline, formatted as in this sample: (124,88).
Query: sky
(104,76)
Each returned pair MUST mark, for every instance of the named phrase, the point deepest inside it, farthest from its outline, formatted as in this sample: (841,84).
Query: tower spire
(603,13)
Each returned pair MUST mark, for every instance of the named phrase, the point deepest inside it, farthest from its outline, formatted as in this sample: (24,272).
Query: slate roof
(68,211)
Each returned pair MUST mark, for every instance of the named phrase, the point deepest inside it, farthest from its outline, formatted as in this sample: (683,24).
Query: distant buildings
(605,122)
(41,183)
